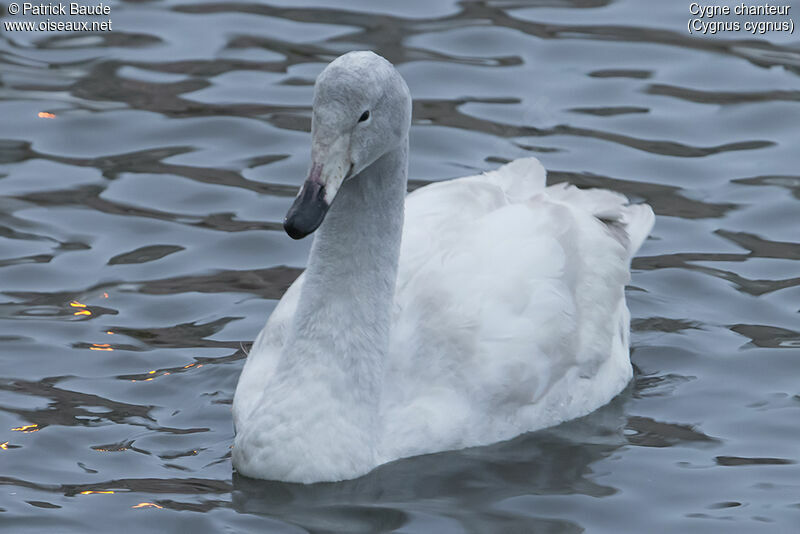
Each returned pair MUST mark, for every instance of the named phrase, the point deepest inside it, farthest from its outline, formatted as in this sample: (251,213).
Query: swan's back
(510,308)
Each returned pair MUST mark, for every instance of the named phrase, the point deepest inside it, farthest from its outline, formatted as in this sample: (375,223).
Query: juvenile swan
(496,309)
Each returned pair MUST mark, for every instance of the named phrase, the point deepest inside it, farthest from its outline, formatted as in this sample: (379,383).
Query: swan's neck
(317,418)
(343,318)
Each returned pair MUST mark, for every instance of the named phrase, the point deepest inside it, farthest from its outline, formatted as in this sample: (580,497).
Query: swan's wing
(264,354)
(509,295)
(438,214)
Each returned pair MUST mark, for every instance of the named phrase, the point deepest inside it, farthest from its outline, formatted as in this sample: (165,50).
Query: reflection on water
(452,485)
(143,177)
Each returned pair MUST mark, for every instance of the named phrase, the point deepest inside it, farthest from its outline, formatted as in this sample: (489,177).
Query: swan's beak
(316,196)
(309,208)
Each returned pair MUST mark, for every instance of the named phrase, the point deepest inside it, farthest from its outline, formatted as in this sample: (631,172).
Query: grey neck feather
(343,317)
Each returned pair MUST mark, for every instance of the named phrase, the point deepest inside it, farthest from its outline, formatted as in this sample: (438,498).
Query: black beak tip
(307,212)
(293,230)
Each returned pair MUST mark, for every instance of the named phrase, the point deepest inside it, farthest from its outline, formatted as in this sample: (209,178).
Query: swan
(495,309)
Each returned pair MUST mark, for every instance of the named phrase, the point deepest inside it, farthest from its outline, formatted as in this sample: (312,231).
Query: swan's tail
(638,220)
(630,224)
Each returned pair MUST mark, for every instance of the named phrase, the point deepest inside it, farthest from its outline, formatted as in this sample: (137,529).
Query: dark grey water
(140,250)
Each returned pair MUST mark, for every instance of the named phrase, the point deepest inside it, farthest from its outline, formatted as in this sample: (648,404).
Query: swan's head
(362,110)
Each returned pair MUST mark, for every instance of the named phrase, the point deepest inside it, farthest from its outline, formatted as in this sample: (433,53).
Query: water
(141,249)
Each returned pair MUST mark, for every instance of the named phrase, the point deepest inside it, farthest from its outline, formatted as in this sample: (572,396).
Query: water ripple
(144,174)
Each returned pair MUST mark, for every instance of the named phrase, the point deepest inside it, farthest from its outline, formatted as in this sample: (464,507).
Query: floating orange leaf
(46,115)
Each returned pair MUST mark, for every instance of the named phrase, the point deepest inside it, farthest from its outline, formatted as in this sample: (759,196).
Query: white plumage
(504,313)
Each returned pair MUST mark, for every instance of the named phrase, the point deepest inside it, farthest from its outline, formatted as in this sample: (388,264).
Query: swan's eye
(364,116)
